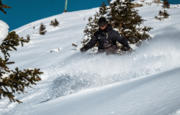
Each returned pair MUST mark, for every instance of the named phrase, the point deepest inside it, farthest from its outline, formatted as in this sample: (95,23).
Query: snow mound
(152,95)
(4,28)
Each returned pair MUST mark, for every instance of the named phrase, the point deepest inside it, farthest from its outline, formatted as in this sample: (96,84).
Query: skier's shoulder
(115,32)
(109,27)
(97,33)
(111,30)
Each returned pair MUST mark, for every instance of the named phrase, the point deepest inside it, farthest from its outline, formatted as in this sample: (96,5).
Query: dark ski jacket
(105,39)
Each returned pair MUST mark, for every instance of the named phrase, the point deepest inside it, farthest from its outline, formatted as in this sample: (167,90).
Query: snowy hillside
(145,82)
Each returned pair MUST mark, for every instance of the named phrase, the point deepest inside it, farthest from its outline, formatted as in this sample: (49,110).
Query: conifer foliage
(124,18)
(166,4)
(2,6)
(54,23)
(14,81)
(163,14)
(42,29)
(157,1)
(92,25)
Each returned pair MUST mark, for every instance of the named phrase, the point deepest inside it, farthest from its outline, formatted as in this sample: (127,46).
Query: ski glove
(125,48)
(83,49)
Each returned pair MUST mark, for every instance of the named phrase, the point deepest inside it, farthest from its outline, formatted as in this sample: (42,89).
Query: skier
(106,39)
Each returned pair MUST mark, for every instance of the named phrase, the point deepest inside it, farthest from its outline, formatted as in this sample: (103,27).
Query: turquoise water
(174,1)
(25,11)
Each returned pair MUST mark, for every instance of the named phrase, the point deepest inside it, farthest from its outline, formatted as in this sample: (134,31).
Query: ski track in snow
(154,94)
(67,71)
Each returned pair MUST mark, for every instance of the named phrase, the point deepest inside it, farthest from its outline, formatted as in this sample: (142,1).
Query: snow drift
(4,28)
(152,95)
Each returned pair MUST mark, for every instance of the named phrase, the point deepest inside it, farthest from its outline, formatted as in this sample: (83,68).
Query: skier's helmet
(102,21)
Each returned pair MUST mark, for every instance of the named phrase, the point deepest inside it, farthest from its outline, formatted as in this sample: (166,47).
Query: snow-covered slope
(145,82)
(153,95)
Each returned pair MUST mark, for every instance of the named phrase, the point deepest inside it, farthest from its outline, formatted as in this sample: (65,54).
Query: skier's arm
(121,40)
(90,44)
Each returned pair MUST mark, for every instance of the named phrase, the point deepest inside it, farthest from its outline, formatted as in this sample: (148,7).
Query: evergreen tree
(166,4)
(2,6)
(92,25)
(42,29)
(123,17)
(162,15)
(157,1)
(54,23)
(14,81)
